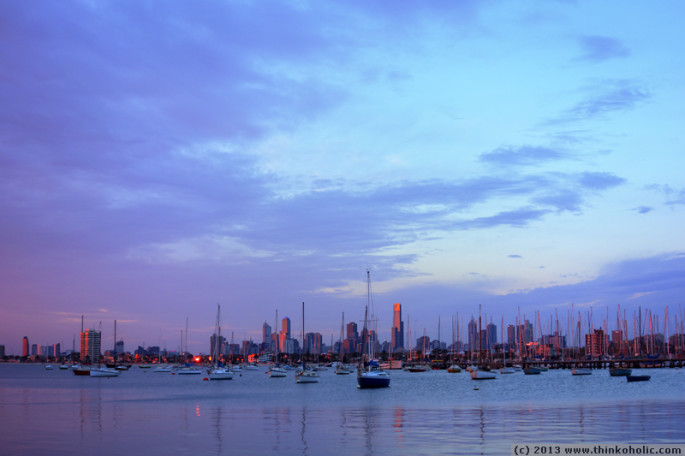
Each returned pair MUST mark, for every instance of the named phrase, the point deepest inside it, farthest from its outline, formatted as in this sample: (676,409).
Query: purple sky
(158,158)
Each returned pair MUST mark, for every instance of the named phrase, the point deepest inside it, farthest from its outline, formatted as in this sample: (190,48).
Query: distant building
(25,346)
(511,335)
(397,333)
(596,343)
(57,350)
(90,346)
(119,347)
(2,350)
(473,335)
(266,333)
(491,329)
(285,327)
(313,343)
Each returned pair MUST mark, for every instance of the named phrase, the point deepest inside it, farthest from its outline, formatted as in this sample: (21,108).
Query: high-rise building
(90,345)
(511,336)
(352,332)
(491,329)
(473,335)
(397,334)
(285,327)
(2,350)
(25,346)
(266,333)
(119,347)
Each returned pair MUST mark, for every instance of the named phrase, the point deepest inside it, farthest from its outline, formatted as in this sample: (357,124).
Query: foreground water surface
(45,412)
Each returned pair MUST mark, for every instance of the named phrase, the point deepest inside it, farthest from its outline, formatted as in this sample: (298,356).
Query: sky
(500,158)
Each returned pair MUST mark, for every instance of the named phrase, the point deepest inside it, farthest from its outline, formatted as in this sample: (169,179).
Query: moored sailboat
(305,374)
(218,371)
(369,372)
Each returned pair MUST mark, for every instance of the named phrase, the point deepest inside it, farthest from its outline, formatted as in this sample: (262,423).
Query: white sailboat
(218,371)
(370,375)
(305,374)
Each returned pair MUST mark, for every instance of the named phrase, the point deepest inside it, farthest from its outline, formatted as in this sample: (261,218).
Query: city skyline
(159,158)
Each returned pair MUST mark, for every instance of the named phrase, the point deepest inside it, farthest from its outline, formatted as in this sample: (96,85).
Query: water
(432,413)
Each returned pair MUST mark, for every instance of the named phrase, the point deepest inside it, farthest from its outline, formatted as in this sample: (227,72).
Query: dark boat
(620,372)
(638,378)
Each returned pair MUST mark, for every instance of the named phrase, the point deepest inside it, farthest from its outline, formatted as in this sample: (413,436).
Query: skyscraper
(397,333)
(266,333)
(285,327)
(25,346)
(90,345)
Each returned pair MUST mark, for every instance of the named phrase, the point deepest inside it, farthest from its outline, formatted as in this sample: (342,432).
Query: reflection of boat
(369,373)
(305,374)
(218,371)
(532,370)
(638,378)
(620,372)
(581,371)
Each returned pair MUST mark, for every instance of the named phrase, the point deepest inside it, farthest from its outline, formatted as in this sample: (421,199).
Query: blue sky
(157,158)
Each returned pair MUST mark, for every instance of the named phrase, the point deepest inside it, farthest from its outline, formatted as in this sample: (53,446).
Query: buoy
(205,378)
(475,388)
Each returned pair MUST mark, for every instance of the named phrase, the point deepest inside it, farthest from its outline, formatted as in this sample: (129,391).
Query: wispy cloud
(524,155)
(605,98)
(596,48)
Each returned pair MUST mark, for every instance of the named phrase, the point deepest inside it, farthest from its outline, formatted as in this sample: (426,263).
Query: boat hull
(277,373)
(482,375)
(307,377)
(638,378)
(581,372)
(104,372)
(227,375)
(373,380)
(532,371)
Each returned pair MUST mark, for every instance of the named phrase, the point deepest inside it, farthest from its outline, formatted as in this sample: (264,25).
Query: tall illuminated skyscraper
(90,345)
(25,346)
(397,335)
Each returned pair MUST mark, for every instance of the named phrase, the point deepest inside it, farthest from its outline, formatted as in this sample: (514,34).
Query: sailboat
(218,371)
(276,371)
(305,374)
(479,373)
(580,370)
(340,367)
(369,373)
(454,367)
(504,369)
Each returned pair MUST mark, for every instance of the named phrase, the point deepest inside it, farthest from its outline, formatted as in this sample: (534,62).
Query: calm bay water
(432,413)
